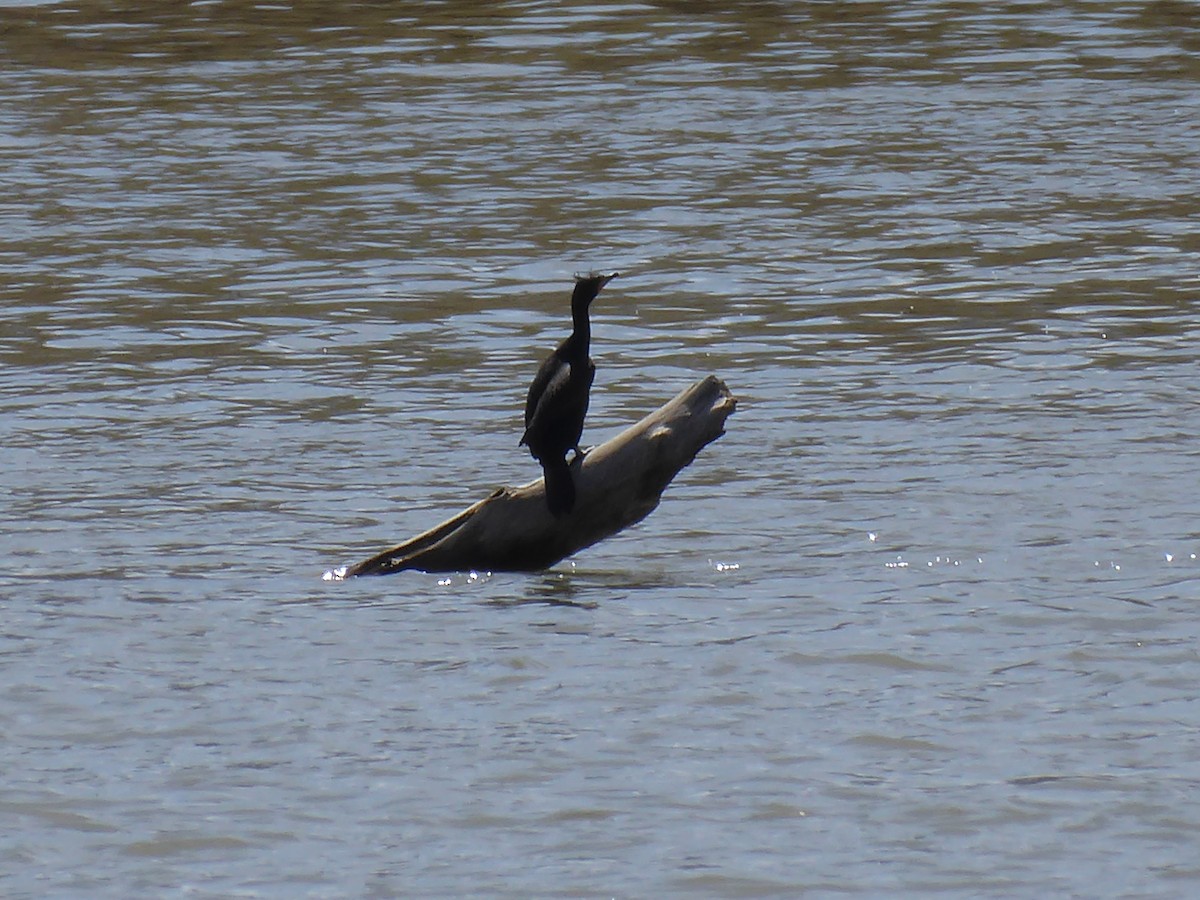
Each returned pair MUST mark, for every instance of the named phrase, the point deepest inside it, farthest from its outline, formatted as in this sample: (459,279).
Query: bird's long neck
(578,343)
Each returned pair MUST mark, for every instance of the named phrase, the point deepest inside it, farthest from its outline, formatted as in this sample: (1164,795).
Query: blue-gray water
(924,622)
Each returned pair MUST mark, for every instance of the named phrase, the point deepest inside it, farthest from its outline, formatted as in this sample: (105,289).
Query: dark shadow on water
(547,589)
(576,588)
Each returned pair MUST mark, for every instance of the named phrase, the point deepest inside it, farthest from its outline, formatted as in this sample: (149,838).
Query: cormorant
(558,399)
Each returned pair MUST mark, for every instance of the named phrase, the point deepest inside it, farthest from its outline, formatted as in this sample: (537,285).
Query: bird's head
(588,286)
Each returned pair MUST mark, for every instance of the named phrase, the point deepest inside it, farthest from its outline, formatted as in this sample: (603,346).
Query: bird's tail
(560,489)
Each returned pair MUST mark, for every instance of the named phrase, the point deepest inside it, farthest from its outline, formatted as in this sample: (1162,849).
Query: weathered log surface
(618,484)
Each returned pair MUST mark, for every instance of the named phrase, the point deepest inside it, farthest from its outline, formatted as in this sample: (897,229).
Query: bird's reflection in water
(551,589)
(579,589)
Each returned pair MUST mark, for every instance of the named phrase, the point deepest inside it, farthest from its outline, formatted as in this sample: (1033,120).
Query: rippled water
(923,622)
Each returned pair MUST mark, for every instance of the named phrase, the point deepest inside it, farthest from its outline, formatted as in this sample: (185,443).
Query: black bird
(558,399)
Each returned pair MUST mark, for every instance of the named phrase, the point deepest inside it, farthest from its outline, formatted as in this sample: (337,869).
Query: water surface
(923,622)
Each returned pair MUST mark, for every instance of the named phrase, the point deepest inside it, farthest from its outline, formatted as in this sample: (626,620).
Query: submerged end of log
(617,484)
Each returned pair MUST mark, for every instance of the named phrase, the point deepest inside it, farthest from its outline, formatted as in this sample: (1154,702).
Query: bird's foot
(578,458)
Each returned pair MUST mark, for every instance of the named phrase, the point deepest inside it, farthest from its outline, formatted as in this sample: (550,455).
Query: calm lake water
(924,622)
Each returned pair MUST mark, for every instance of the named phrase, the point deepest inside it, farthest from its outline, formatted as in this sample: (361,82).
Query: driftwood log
(618,484)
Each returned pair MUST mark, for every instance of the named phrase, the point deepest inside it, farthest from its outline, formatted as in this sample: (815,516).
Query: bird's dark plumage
(558,399)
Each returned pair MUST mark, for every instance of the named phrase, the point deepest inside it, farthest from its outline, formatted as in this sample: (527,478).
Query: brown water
(923,622)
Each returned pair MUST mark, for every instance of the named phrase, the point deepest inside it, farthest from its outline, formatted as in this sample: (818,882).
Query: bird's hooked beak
(595,277)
